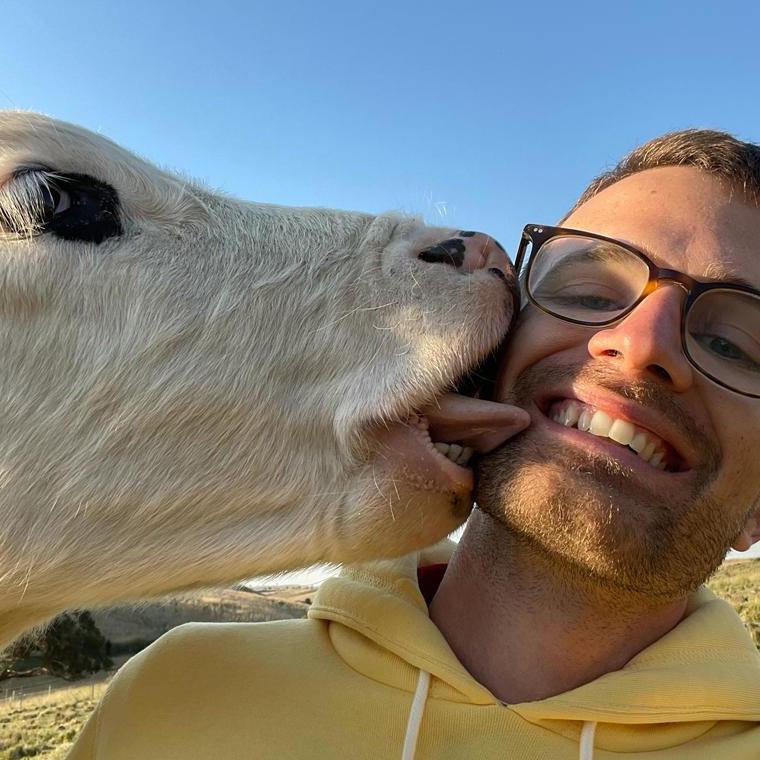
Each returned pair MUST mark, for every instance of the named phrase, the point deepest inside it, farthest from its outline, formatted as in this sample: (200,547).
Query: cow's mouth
(429,464)
(436,445)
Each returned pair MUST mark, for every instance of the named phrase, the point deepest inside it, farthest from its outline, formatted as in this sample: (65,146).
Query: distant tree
(71,646)
(20,649)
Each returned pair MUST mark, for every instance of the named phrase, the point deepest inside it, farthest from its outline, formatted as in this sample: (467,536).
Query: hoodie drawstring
(587,741)
(586,751)
(415,716)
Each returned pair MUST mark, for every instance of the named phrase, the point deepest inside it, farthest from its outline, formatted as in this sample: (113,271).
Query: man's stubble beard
(590,517)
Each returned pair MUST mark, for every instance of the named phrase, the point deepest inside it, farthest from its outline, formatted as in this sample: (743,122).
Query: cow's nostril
(467,252)
(449,251)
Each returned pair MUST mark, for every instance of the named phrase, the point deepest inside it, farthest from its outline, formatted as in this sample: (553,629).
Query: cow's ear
(750,533)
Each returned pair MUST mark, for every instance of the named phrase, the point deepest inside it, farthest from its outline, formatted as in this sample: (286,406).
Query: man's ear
(750,532)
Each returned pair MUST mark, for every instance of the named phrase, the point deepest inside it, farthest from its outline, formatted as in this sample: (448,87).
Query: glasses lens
(585,279)
(723,338)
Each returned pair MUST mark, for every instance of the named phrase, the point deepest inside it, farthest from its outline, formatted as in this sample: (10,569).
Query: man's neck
(524,631)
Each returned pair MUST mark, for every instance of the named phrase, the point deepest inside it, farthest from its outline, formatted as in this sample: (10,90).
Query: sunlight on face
(581,497)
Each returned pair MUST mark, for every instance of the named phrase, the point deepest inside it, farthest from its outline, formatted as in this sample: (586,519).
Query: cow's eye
(70,206)
(56,200)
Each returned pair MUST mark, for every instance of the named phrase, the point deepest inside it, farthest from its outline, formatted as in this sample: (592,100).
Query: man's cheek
(521,350)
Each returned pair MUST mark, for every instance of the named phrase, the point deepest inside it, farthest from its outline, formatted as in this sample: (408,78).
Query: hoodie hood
(383,624)
(704,672)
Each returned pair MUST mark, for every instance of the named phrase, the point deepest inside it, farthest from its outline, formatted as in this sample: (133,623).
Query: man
(570,621)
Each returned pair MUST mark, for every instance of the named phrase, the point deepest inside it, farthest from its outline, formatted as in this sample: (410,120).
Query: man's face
(590,504)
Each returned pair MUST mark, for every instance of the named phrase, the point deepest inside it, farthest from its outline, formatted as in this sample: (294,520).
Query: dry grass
(739,582)
(45,726)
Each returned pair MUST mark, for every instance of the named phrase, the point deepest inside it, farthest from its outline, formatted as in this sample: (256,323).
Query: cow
(196,389)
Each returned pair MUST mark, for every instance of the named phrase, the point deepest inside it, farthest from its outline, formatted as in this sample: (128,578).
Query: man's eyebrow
(714,272)
(720,273)
(605,251)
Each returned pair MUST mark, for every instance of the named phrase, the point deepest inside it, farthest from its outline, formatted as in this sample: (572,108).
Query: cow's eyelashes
(74,207)
(30,200)
(25,203)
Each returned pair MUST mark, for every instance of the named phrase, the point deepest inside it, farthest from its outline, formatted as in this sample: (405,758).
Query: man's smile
(637,437)
(649,447)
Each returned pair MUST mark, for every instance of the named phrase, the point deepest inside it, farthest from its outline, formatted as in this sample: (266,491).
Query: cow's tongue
(482,425)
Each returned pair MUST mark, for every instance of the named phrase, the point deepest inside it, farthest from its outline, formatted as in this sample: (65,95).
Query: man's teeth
(460,455)
(647,445)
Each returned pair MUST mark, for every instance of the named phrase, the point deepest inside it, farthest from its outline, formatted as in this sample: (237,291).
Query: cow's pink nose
(469,251)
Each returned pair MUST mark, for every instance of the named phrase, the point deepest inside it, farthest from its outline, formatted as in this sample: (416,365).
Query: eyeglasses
(593,280)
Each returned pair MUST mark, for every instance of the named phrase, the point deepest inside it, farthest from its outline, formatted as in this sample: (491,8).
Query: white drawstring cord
(415,716)
(587,741)
(586,750)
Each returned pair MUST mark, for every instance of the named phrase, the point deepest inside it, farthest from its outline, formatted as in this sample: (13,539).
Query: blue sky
(488,115)
(479,115)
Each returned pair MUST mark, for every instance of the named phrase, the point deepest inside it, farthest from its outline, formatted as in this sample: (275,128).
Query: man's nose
(647,343)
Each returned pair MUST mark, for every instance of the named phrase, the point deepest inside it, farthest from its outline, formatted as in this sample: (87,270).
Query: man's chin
(597,527)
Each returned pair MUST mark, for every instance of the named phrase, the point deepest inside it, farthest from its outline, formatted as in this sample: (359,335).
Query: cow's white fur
(193,402)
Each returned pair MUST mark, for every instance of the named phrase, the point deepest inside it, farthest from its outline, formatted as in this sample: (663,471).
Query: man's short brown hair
(719,153)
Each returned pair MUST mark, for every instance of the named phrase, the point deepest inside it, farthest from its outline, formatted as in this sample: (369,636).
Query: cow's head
(194,389)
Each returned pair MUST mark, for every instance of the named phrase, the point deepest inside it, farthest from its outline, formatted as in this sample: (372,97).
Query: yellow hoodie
(369,676)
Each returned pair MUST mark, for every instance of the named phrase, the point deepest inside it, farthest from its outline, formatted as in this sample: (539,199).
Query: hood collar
(705,669)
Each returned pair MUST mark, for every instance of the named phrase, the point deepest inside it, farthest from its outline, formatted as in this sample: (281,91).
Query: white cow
(196,389)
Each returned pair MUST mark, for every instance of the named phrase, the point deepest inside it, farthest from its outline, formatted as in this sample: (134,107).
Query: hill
(127,624)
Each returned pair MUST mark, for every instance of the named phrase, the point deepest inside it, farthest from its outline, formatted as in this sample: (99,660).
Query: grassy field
(46,726)
(739,583)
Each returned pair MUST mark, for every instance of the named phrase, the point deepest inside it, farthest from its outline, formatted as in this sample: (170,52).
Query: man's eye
(594,303)
(725,349)
(590,296)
